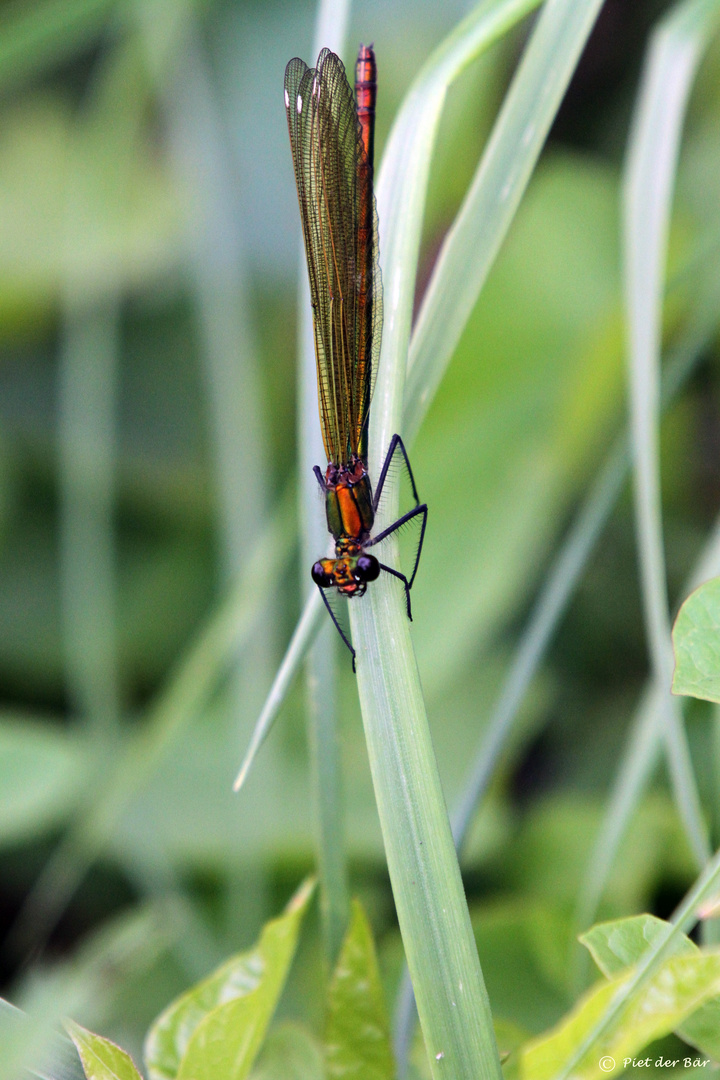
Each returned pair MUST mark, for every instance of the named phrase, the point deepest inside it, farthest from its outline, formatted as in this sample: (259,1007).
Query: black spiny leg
(420,509)
(337,625)
(406,583)
(395,442)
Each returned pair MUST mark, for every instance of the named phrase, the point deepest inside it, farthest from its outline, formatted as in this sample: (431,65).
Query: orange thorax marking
(352,523)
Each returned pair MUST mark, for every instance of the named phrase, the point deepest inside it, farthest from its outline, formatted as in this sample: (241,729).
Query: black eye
(367,568)
(320,577)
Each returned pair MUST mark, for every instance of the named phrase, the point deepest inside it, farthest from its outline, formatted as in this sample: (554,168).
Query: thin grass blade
(637,763)
(87,400)
(401,194)
(672,61)
(473,241)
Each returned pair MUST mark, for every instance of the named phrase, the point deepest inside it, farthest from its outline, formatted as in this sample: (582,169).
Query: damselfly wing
(332,142)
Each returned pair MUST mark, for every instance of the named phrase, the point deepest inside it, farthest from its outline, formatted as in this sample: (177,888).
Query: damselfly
(332,141)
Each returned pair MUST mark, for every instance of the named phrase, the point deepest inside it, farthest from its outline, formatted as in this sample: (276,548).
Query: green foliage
(620,944)
(696,638)
(681,986)
(101,1059)
(357,1034)
(217,1027)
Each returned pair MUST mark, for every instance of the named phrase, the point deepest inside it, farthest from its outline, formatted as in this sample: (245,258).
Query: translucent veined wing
(339,220)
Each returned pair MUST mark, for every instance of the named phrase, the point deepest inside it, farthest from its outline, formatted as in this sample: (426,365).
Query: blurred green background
(148,279)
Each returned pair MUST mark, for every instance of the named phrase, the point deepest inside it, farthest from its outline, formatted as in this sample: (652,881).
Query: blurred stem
(206,177)
(87,408)
(653,149)
(90,347)
(564,574)
(199,151)
(321,706)
(635,769)
(551,604)
(327,788)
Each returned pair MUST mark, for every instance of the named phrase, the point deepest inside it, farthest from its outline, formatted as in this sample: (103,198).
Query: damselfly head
(349,574)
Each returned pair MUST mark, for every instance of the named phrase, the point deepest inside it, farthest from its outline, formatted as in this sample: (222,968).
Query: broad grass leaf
(216,1028)
(621,943)
(696,640)
(681,986)
(357,1036)
(101,1059)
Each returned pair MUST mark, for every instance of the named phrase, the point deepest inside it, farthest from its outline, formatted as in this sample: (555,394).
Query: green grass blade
(300,642)
(423,866)
(672,60)
(401,193)
(484,218)
(429,898)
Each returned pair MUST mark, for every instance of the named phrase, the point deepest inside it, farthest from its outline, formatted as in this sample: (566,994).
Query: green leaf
(357,1037)
(620,944)
(215,1029)
(679,987)
(696,640)
(290,1053)
(101,1059)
